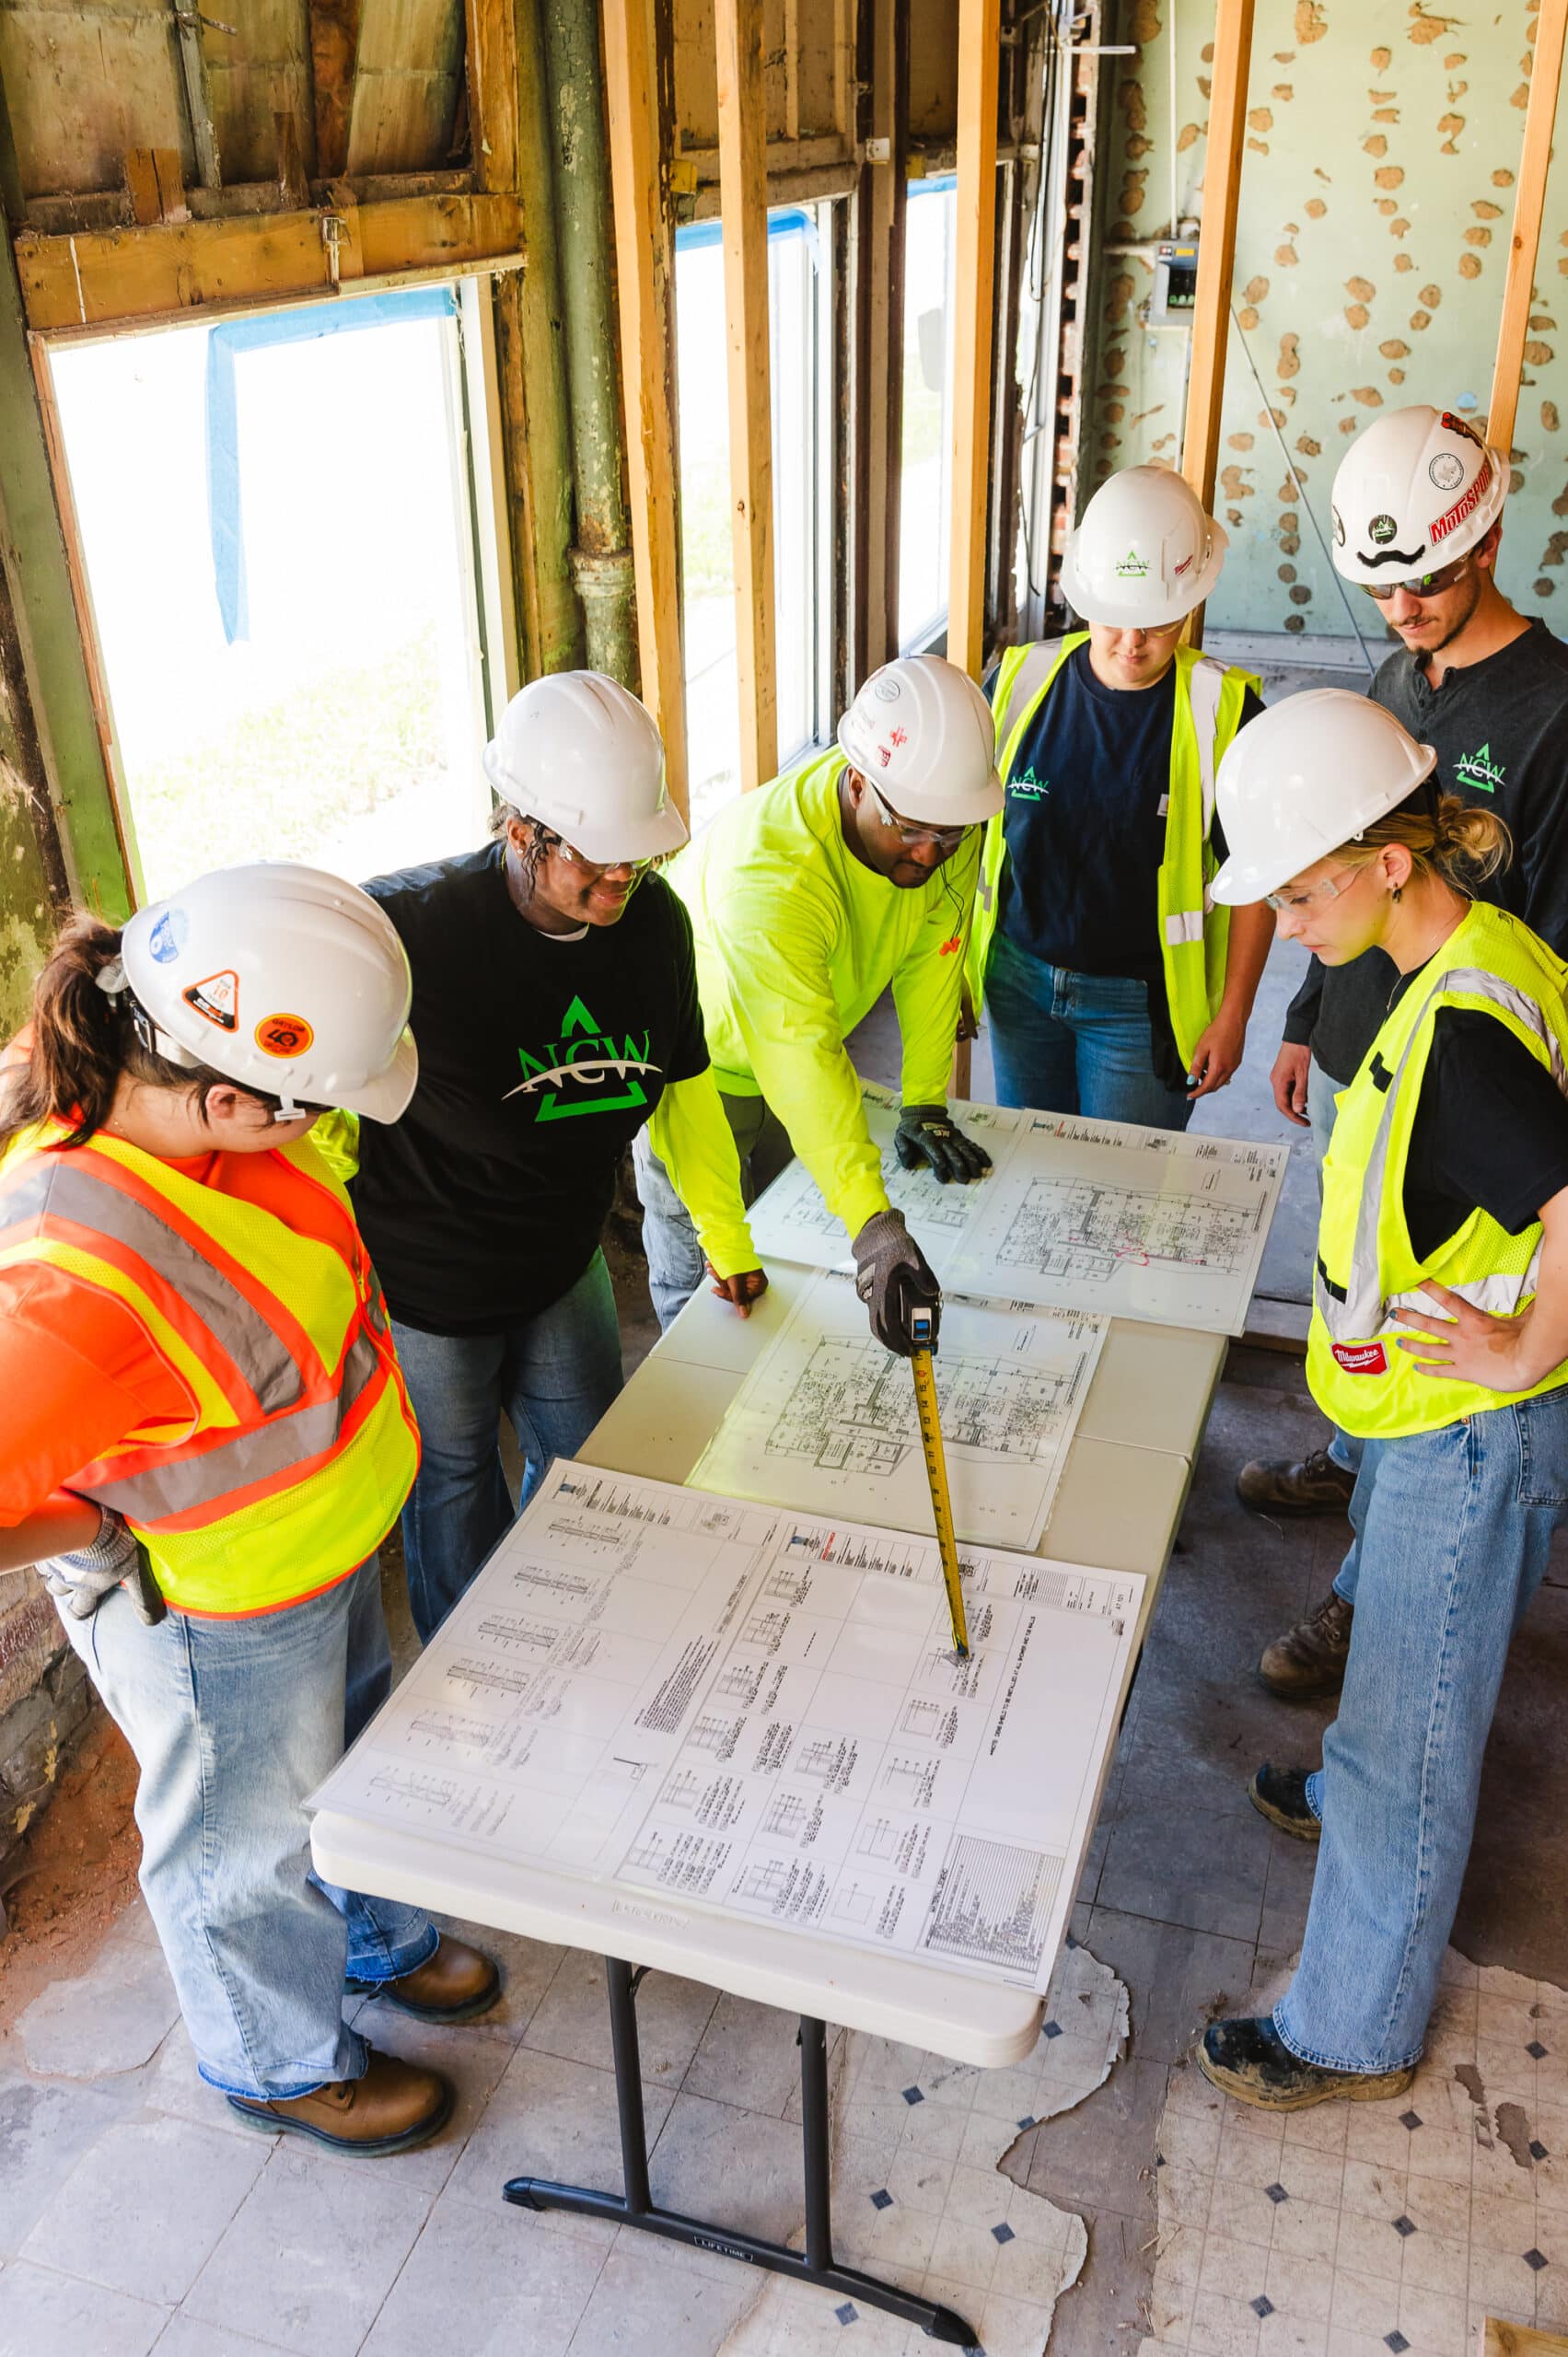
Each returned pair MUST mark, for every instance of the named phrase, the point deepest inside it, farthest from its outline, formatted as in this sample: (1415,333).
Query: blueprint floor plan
(1095,1215)
(758,1711)
(827,1416)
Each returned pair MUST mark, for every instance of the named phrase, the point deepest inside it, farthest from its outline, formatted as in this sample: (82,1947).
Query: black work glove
(116,1558)
(928,1134)
(893,1278)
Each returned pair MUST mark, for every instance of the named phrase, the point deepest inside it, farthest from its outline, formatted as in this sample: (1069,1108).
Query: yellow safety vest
(1194,933)
(301,1444)
(1367,1265)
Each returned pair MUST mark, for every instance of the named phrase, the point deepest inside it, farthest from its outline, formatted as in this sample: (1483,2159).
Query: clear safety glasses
(1331,889)
(591,867)
(1425,584)
(945,838)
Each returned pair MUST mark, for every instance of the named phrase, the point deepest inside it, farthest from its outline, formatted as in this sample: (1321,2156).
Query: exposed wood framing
(493,91)
(1216,253)
(878,317)
(198,96)
(334,55)
(290,164)
(120,276)
(737,25)
(62,689)
(980,27)
(1529,195)
(641,251)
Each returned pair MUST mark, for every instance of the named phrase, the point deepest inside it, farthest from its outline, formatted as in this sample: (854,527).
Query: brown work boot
(455,1984)
(393,2107)
(1246,2058)
(1309,1659)
(1314,1484)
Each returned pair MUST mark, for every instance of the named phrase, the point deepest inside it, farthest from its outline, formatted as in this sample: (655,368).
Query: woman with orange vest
(207,1431)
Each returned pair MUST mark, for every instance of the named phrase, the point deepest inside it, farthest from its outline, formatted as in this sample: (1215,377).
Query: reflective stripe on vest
(1366,1266)
(73,1190)
(302,1445)
(1195,934)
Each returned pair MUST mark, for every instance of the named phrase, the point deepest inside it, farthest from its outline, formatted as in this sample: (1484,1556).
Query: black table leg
(636,2207)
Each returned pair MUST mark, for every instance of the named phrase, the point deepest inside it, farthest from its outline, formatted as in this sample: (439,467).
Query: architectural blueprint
(825,1418)
(1095,1215)
(759,1711)
(791,1222)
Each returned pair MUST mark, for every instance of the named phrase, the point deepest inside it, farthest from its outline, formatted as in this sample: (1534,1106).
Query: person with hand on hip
(1439,1338)
(1418,506)
(850,876)
(555,1001)
(207,1433)
(1114,986)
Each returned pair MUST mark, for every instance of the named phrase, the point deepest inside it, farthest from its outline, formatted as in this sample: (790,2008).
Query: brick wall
(45,1702)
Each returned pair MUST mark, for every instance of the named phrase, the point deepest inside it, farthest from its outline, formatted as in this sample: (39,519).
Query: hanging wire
(1306,503)
(1040,274)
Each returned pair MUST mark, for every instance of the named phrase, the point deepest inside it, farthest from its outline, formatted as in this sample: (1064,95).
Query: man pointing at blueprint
(807,901)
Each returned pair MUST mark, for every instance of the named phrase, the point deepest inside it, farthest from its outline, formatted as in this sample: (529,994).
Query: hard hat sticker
(1131,567)
(886,690)
(1339,527)
(1447,471)
(1381,530)
(283,1035)
(217,998)
(1463,507)
(169,937)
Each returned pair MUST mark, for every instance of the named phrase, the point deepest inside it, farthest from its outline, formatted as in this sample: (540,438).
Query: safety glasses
(1425,584)
(944,838)
(1329,889)
(592,867)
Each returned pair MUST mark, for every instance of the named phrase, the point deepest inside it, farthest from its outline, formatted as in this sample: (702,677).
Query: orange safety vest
(301,1444)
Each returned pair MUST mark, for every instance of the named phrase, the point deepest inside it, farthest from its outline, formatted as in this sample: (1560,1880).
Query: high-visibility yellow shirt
(797,940)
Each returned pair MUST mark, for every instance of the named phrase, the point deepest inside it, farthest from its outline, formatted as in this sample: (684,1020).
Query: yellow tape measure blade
(941,1496)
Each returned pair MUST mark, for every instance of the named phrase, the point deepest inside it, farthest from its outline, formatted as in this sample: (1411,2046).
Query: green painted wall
(1383,138)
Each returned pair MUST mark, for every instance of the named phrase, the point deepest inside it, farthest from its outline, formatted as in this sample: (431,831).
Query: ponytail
(81,1042)
(1456,842)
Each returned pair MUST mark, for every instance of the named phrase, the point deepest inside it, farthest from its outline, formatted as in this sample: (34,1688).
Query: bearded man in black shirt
(1417,517)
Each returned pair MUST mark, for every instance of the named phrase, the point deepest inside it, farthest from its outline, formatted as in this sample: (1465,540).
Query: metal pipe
(602,558)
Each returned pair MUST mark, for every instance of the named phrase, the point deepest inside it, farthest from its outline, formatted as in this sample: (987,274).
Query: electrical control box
(1175,290)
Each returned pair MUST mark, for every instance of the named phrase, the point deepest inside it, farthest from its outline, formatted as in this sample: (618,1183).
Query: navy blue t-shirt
(1085,827)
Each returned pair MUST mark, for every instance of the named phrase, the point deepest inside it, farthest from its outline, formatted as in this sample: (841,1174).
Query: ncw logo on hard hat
(1145,553)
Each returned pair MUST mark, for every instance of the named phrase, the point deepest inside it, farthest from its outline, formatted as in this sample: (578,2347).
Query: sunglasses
(1425,584)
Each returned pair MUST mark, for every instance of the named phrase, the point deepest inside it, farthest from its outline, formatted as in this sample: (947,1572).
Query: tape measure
(941,1496)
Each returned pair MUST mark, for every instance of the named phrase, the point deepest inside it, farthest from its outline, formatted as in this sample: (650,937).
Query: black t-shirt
(1501,733)
(1490,1129)
(539,1058)
(1085,822)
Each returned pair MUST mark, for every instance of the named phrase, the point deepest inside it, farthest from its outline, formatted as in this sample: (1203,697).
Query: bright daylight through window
(928,394)
(796,244)
(286,610)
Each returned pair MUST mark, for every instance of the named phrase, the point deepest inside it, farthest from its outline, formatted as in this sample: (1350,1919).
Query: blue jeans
(1075,1043)
(552,1377)
(1452,1530)
(676,1265)
(1344,1448)
(234,1724)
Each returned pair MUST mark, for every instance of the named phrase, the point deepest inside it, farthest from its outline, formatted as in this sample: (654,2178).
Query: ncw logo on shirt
(1028,786)
(1479,770)
(572,1074)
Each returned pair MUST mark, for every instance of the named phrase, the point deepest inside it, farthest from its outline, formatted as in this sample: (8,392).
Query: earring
(1398,892)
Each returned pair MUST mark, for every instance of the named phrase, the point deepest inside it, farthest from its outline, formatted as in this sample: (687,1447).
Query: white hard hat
(1413,493)
(1145,552)
(1303,779)
(578,752)
(921,731)
(284,979)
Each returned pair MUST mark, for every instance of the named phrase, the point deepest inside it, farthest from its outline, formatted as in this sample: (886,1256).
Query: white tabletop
(1120,1501)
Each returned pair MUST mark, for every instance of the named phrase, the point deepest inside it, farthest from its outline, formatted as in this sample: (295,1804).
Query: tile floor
(137,2212)
(1376,2230)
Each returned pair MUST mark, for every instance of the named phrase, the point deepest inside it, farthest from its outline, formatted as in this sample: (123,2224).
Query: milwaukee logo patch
(1361,1358)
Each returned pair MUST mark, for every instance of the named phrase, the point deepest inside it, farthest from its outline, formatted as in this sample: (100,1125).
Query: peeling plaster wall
(1383,140)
